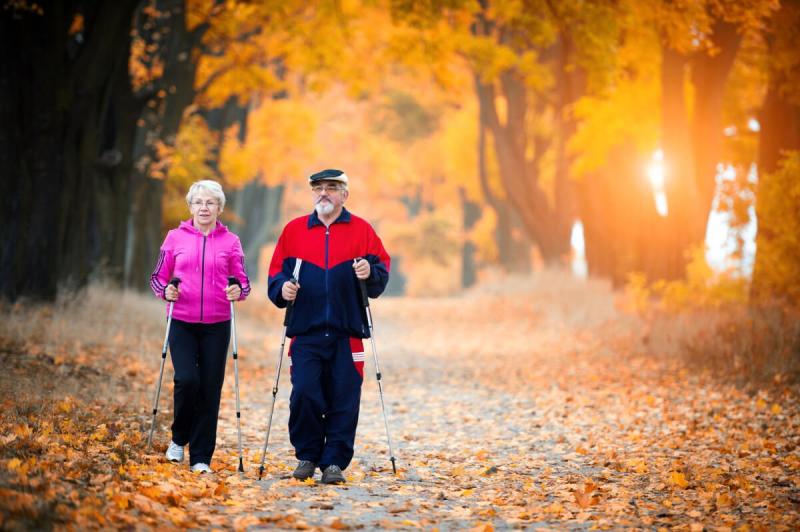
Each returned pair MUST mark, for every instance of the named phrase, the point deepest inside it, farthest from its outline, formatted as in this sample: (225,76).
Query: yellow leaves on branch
(280,141)
(778,266)
(187,160)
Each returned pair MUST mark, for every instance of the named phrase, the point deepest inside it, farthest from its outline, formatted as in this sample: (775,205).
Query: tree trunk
(777,262)
(619,219)
(168,99)
(710,77)
(692,150)
(570,85)
(522,189)
(513,253)
(113,167)
(54,92)
(258,212)
(679,186)
(519,173)
(471,213)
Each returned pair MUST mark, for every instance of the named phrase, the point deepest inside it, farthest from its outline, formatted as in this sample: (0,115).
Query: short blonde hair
(210,187)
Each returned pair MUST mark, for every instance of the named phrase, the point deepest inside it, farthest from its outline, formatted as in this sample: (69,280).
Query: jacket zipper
(327,292)
(202,276)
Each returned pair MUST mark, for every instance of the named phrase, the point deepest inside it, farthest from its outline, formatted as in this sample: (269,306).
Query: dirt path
(535,412)
(536,407)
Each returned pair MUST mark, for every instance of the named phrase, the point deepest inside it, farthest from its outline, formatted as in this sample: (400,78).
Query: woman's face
(205,209)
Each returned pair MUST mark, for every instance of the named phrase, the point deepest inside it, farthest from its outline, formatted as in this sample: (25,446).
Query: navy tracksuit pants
(199,352)
(325,399)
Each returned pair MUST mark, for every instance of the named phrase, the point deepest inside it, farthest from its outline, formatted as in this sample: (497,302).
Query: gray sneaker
(174,452)
(200,467)
(305,469)
(333,475)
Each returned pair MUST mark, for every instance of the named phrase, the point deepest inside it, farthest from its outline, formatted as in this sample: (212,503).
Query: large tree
(64,141)
(777,266)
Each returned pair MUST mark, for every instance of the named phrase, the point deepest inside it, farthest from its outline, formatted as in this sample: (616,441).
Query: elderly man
(337,250)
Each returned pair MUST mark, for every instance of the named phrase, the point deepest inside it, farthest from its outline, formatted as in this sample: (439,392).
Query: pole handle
(175,281)
(362,285)
(234,281)
(289,307)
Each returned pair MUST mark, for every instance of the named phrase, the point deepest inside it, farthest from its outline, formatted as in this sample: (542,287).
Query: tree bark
(161,120)
(523,192)
(54,92)
(692,149)
(513,253)
(777,260)
(471,213)
(543,223)
(619,219)
(679,186)
(710,76)
(570,86)
(258,207)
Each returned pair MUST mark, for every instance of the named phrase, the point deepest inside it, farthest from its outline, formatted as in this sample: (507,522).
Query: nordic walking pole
(174,282)
(362,283)
(232,281)
(286,320)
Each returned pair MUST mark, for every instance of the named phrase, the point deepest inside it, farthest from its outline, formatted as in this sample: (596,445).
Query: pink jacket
(203,264)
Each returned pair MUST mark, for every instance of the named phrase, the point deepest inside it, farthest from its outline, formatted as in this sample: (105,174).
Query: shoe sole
(339,480)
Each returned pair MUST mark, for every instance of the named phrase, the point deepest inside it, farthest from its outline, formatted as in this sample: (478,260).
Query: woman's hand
(171,293)
(233,292)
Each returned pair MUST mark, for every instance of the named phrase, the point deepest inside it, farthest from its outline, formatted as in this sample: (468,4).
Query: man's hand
(171,293)
(362,268)
(289,290)
(233,292)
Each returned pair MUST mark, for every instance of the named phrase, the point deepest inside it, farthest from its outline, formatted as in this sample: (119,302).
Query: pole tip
(394,467)
(260,472)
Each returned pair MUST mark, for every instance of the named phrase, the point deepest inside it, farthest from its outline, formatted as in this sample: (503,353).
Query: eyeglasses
(210,203)
(317,189)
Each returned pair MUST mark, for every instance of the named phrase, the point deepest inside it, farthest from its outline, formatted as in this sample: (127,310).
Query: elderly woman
(202,254)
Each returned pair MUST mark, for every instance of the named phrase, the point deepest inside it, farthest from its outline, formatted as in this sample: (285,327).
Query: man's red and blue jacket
(329,299)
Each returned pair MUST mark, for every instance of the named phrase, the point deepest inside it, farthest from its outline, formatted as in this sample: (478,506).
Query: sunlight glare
(580,269)
(721,238)
(656,174)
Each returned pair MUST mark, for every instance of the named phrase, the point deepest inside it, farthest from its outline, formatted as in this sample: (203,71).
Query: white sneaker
(174,452)
(200,467)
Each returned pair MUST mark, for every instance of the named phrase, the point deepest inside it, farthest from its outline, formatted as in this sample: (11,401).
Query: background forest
(478,133)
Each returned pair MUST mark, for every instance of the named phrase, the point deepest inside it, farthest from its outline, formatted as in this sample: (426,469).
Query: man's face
(329,196)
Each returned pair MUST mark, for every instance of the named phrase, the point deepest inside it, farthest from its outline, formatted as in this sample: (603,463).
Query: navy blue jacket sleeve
(278,275)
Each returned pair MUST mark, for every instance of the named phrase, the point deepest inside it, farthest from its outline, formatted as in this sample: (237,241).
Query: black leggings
(199,351)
